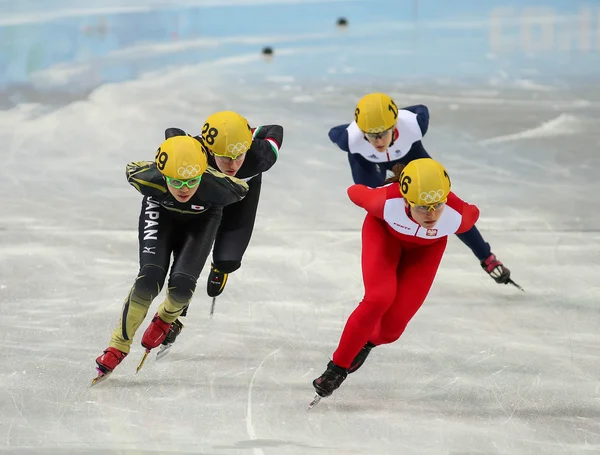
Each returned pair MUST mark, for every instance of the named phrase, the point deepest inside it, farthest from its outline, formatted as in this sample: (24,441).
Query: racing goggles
(228,158)
(428,208)
(178,184)
(375,136)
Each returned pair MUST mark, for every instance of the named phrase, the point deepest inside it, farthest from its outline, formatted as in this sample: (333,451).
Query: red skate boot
(155,333)
(153,336)
(107,362)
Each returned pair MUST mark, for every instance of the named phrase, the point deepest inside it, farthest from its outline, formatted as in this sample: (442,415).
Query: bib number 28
(209,133)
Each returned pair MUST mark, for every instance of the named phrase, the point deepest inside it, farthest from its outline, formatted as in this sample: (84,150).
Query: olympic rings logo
(379,129)
(189,171)
(432,197)
(239,148)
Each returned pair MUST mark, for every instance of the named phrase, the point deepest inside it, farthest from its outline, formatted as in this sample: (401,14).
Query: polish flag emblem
(431,232)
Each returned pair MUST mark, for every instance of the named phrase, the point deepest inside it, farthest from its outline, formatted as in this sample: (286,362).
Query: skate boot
(174,331)
(361,357)
(216,282)
(496,269)
(109,360)
(155,333)
(330,380)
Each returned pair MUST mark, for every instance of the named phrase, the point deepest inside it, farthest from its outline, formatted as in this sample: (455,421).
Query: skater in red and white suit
(404,236)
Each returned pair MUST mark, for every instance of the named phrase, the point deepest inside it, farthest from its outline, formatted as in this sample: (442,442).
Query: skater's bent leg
(154,255)
(179,294)
(235,229)
(416,274)
(190,258)
(227,266)
(147,286)
(132,316)
(380,255)
(233,237)
(474,240)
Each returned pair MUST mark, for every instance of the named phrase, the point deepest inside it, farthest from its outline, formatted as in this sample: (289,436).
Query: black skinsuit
(166,226)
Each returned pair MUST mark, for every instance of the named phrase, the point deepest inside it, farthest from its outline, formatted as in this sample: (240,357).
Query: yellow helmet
(227,134)
(424,182)
(181,157)
(375,113)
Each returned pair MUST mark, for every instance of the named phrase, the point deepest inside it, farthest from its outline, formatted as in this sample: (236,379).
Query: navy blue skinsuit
(371,174)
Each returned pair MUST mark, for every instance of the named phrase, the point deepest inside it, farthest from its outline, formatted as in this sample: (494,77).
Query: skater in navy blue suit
(383,135)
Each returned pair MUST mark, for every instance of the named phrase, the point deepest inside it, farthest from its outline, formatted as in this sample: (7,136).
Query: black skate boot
(496,269)
(174,331)
(361,357)
(330,380)
(216,282)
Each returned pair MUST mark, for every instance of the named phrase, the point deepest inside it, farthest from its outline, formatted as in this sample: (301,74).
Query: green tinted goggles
(178,184)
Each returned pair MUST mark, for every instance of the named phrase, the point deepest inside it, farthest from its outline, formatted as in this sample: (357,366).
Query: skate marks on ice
(249,425)
(526,384)
(515,370)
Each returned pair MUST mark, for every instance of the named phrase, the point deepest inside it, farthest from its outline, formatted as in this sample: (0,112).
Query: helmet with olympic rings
(181,158)
(424,182)
(227,134)
(375,113)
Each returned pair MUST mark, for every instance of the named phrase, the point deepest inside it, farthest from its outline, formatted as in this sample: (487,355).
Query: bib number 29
(161,159)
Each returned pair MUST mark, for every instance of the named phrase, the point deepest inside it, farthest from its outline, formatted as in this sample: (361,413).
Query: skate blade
(212,307)
(163,351)
(515,285)
(315,401)
(100,378)
(141,364)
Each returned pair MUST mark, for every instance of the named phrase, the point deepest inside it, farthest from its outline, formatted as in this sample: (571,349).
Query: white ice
(482,368)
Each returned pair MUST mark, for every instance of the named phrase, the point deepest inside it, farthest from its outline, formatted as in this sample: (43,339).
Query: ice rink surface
(483,369)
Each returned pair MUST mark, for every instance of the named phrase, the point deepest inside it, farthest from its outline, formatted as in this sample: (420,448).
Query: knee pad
(181,287)
(227,266)
(149,282)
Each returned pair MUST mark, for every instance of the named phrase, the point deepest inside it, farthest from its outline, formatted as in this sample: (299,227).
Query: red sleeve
(470,216)
(370,199)
(469,212)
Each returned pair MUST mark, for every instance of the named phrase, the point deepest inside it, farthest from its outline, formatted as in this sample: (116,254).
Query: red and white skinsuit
(399,261)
